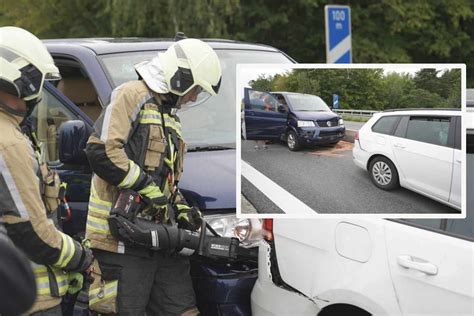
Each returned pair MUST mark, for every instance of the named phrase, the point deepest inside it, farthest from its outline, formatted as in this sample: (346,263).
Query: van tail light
(268,229)
(356,136)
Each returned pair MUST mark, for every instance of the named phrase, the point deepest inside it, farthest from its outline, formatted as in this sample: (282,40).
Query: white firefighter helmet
(184,65)
(24,63)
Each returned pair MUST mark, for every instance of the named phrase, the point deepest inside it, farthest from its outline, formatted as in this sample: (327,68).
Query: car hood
(314,116)
(209,179)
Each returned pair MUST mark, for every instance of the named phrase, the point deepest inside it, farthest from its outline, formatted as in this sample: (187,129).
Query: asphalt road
(353,125)
(326,180)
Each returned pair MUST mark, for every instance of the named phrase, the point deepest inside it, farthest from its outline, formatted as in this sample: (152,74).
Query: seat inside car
(83,94)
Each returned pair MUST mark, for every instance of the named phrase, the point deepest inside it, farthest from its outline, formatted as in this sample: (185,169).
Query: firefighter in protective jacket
(29,191)
(137,144)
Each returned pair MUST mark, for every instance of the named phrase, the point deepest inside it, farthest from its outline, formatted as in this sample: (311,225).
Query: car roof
(130,44)
(434,111)
(289,93)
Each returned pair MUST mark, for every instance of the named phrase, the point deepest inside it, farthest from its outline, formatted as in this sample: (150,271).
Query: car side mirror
(281,108)
(73,136)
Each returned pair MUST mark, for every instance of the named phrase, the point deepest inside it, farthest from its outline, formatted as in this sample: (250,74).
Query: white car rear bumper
(360,157)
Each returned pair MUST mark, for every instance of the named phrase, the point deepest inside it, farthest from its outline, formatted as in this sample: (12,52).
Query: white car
(366,266)
(417,149)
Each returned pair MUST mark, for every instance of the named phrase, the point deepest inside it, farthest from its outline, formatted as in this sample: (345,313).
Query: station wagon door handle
(399,146)
(414,263)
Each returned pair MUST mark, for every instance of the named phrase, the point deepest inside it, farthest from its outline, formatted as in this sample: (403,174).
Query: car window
(46,119)
(429,129)
(462,228)
(470,97)
(77,87)
(264,101)
(386,124)
(120,67)
(307,102)
(280,98)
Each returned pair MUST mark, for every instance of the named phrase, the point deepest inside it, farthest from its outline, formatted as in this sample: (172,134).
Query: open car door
(264,117)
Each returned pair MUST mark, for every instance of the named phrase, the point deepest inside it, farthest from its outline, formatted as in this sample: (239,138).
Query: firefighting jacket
(136,142)
(18,287)
(27,190)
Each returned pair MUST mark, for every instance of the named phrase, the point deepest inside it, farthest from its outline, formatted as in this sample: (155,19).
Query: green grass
(355,118)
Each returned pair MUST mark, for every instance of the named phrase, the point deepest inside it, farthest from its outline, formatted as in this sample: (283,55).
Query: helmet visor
(200,97)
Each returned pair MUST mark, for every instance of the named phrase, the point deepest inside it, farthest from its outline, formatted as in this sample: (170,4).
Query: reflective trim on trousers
(102,293)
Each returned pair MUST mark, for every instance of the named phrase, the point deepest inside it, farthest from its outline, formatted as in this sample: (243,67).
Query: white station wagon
(417,149)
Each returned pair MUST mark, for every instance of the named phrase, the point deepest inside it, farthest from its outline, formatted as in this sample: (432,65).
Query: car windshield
(306,102)
(212,122)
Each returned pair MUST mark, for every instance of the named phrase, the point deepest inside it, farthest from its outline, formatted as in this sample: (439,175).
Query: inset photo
(384,140)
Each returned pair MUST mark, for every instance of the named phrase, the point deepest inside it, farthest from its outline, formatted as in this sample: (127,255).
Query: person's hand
(157,203)
(76,281)
(189,218)
(85,262)
(133,235)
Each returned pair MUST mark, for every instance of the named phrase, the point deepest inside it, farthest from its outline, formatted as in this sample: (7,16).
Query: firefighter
(137,144)
(29,191)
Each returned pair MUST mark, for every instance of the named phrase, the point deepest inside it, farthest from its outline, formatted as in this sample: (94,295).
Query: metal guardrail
(356,113)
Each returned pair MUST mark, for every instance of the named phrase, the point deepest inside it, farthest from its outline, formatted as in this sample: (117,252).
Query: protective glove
(189,218)
(131,234)
(157,203)
(76,281)
(85,261)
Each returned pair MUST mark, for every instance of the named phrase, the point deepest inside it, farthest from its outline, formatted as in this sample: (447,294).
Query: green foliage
(120,18)
(371,89)
(262,83)
(383,31)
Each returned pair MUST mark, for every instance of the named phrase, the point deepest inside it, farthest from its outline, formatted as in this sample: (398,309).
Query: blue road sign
(338,34)
(335,101)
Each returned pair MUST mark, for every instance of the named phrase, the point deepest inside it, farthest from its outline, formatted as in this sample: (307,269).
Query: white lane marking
(340,49)
(282,198)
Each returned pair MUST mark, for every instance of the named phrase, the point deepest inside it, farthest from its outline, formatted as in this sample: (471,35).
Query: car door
(423,147)
(261,115)
(336,261)
(46,119)
(432,264)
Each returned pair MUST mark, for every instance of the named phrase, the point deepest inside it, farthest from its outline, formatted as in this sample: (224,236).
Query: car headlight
(341,121)
(306,124)
(247,230)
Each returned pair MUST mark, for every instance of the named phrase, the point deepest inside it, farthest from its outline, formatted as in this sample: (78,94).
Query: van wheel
(383,173)
(292,141)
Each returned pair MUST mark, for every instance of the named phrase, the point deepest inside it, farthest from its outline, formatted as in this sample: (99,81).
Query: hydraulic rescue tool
(127,226)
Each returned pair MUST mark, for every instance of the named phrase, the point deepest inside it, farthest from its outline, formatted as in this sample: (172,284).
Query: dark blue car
(297,118)
(91,69)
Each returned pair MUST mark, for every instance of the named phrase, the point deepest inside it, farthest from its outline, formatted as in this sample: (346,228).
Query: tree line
(383,31)
(371,89)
